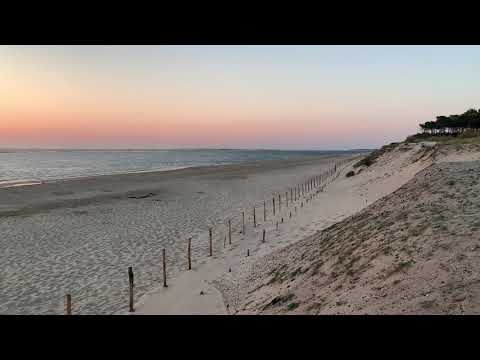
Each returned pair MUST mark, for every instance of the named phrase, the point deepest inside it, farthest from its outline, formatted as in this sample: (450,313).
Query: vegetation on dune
(468,137)
(370,159)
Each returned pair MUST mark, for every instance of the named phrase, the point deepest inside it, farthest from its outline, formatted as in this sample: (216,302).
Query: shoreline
(17,182)
(28,182)
(51,194)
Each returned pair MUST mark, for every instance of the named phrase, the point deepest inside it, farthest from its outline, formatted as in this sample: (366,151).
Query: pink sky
(244,97)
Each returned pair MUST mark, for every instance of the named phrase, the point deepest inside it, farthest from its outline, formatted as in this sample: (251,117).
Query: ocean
(22,167)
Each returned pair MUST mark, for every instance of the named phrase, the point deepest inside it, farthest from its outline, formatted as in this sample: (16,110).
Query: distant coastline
(9,150)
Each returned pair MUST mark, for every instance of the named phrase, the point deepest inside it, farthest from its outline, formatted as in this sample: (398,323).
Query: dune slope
(414,251)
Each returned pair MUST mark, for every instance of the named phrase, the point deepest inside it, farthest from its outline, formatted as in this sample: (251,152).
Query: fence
(301,192)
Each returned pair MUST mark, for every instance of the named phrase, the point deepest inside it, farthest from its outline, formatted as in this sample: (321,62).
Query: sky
(271,97)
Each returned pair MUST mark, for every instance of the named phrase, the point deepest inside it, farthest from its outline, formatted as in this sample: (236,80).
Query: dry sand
(79,236)
(414,251)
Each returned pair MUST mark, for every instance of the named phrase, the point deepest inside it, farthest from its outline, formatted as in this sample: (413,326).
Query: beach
(80,236)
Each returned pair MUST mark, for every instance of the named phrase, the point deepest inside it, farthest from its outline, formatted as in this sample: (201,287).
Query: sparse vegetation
(350,173)
(370,159)
(292,306)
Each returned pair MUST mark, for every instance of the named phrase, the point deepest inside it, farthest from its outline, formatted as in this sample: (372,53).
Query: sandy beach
(325,253)
(79,236)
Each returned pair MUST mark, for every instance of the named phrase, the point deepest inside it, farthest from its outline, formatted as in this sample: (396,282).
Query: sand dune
(413,251)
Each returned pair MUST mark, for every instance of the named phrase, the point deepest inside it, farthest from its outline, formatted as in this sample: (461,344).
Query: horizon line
(169,149)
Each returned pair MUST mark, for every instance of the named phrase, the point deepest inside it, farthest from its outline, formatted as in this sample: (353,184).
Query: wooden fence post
(229,232)
(210,241)
(263,236)
(273,202)
(279,203)
(68,304)
(254,217)
(264,211)
(189,251)
(286,197)
(164,268)
(131,285)
(243,222)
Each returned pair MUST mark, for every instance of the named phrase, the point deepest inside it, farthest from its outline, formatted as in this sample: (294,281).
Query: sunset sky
(281,97)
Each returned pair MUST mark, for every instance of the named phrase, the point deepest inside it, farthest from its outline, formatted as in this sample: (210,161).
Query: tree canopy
(453,124)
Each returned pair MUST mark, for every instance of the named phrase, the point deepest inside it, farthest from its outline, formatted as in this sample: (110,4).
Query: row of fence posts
(295,194)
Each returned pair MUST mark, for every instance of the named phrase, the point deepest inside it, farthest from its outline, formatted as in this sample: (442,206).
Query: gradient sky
(284,97)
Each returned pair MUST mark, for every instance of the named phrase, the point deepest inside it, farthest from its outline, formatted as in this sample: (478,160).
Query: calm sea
(21,167)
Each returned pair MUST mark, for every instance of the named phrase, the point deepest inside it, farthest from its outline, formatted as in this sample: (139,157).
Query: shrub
(292,306)
(350,173)
(370,159)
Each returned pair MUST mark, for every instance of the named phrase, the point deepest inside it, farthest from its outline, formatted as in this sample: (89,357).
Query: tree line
(453,124)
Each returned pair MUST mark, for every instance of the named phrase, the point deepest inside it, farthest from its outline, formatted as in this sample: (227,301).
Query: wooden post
(229,232)
(225,241)
(164,268)
(243,222)
(273,202)
(279,203)
(264,211)
(248,252)
(68,304)
(291,193)
(254,218)
(277,225)
(189,253)
(263,236)
(131,285)
(290,214)
(286,197)
(282,220)
(210,241)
